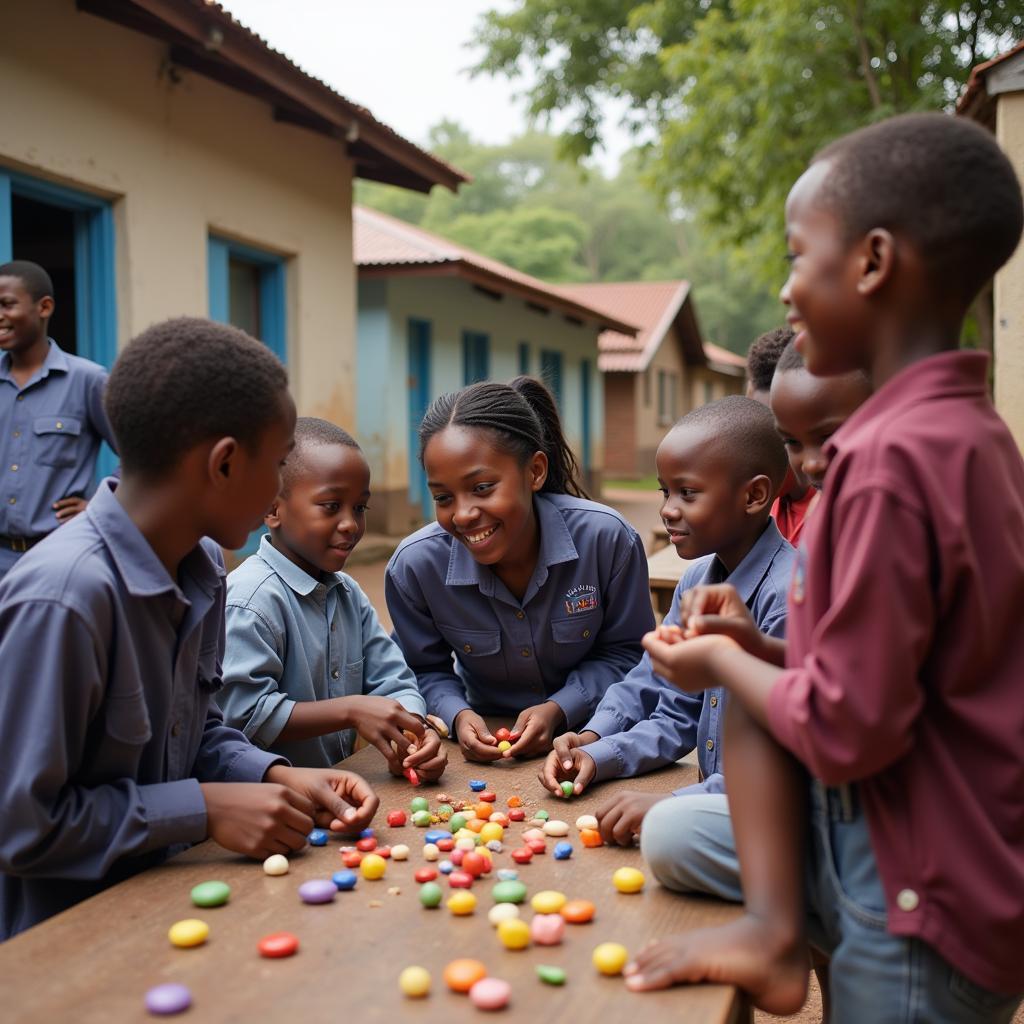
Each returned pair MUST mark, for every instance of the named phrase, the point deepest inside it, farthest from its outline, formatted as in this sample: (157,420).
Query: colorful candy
(514,801)
(396,819)
(590,837)
(586,821)
(318,837)
(628,880)
(446,867)
(431,852)
(563,851)
(277,945)
(509,892)
(550,974)
(483,810)
(187,933)
(567,788)
(163,1000)
(410,774)
(460,880)
(383,851)
(477,785)
(610,957)
(367,844)
(351,858)
(548,901)
(400,852)
(457,821)
(425,874)
(462,902)
(419,803)
(502,912)
(507,874)
(276,864)
(344,881)
(578,911)
(556,828)
(536,846)
(210,894)
(431,895)
(542,814)
(490,994)
(373,866)
(367,833)
(514,933)
(462,975)
(445,845)
(474,864)
(414,982)
(502,734)
(547,929)
(492,830)
(517,814)
(488,796)
(318,890)
(504,745)
(522,855)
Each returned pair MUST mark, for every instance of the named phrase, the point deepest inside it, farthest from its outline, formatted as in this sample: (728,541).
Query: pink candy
(490,994)
(547,929)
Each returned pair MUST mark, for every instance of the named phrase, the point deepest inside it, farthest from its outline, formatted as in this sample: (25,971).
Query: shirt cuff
(175,812)
(264,730)
(575,704)
(448,709)
(413,703)
(605,723)
(607,759)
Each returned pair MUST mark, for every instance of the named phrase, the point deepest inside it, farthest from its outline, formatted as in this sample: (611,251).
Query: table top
(665,568)
(96,961)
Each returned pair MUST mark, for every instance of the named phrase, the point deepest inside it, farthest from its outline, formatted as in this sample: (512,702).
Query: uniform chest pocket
(56,440)
(472,644)
(352,679)
(574,636)
(126,717)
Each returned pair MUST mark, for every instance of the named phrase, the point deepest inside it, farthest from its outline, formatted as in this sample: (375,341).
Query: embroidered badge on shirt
(581,599)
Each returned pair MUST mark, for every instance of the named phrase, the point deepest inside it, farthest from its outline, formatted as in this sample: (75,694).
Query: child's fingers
(586,769)
(549,772)
(477,750)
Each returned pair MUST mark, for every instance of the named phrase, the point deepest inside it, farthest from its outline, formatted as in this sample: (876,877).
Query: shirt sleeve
(385,672)
(426,652)
(251,698)
(225,755)
(848,710)
(55,673)
(97,413)
(627,617)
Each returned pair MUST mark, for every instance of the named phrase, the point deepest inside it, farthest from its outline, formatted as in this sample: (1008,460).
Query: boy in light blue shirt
(308,664)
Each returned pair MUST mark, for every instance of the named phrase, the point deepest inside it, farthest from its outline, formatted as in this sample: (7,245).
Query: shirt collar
(56,360)
(747,576)
(143,573)
(298,579)
(960,372)
(556,546)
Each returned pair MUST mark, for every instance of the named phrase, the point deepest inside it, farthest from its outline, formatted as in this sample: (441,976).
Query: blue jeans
(874,977)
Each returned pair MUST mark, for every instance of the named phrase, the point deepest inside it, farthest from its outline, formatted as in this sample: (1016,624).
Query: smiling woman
(538,594)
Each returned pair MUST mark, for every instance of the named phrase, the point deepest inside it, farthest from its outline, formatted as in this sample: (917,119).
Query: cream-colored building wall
(1009,284)
(649,428)
(95,106)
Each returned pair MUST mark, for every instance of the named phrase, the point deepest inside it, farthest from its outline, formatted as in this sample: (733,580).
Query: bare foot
(746,952)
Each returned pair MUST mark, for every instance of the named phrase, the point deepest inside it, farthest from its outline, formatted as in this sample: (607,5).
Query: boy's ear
(538,471)
(878,259)
(221,461)
(273,517)
(759,494)
(45,307)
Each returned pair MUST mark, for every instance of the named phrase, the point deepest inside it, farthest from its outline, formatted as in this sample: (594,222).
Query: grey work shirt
(290,638)
(107,726)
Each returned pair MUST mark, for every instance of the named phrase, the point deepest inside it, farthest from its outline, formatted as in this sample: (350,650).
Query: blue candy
(477,785)
(563,851)
(345,880)
(446,867)
(507,874)
(367,833)
(318,837)
(432,835)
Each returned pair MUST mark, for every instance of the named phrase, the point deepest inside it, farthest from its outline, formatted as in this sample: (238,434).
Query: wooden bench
(665,568)
(96,961)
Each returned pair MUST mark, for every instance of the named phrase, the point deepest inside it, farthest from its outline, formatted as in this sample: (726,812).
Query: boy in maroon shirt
(901,687)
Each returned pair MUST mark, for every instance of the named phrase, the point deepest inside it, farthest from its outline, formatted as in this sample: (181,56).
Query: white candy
(276,864)
(430,851)
(556,828)
(465,844)
(400,852)
(502,912)
(533,833)
(586,821)
(495,846)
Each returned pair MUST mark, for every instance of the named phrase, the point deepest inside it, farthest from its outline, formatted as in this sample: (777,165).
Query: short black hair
(791,359)
(311,432)
(36,280)
(184,381)
(764,353)
(940,181)
(743,430)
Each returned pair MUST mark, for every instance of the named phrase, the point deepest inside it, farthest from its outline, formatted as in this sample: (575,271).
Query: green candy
(430,894)
(509,892)
(211,894)
(444,810)
(543,815)
(419,803)
(550,975)
(421,819)
(455,822)
(567,788)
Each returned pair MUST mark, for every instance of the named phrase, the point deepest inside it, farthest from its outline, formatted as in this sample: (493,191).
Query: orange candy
(475,824)
(515,801)
(591,837)
(499,819)
(578,911)
(483,810)
(462,975)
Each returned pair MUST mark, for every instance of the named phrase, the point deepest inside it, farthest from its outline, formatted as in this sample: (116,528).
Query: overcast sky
(405,60)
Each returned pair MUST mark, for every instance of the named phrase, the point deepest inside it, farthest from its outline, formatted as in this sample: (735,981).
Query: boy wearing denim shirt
(719,469)
(308,663)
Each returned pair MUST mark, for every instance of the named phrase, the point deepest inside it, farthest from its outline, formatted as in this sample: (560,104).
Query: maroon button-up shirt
(905,662)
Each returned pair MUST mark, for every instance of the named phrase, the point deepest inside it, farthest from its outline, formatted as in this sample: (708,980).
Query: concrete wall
(1009,284)
(452,305)
(95,106)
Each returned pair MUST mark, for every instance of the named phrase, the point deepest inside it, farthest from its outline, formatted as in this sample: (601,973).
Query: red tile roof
(976,83)
(385,245)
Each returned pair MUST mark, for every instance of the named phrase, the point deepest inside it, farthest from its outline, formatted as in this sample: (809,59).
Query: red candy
(277,945)
(445,845)
(501,734)
(396,819)
(513,736)
(425,874)
(460,880)
(474,864)
(537,845)
(456,857)
(410,774)
(351,858)
(367,845)
(488,797)
(522,855)
(383,851)
(517,814)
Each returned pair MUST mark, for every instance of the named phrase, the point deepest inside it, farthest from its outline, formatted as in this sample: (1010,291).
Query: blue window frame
(476,356)
(524,358)
(95,296)
(419,399)
(551,373)
(585,400)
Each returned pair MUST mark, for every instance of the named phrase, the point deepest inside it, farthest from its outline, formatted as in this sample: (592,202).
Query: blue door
(419,399)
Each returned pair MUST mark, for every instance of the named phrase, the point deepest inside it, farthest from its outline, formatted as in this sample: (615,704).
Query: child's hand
(568,761)
(718,608)
(255,818)
(685,665)
(68,508)
(341,801)
(383,722)
(619,818)
(427,756)
(536,728)
(476,740)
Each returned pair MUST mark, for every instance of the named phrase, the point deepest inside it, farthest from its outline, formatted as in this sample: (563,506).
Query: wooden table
(665,569)
(96,961)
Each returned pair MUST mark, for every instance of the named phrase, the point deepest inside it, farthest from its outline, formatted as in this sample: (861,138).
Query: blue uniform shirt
(644,721)
(107,726)
(50,434)
(575,632)
(291,637)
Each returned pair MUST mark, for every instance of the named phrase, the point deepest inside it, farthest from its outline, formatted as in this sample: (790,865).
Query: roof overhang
(205,39)
(1002,74)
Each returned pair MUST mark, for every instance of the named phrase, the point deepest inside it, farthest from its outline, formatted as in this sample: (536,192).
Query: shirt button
(586,634)
(710,744)
(60,426)
(520,615)
(175,729)
(14,468)
(714,702)
(525,652)
(907,899)
(21,398)
(335,673)
(17,433)
(468,648)
(334,626)
(12,501)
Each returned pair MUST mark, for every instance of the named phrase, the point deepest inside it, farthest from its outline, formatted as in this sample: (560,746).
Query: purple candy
(319,890)
(164,1000)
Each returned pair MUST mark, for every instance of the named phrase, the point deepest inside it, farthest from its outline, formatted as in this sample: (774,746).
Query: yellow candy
(491,831)
(462,902)
(373,866)
(504,745)
(628,880)
(548,902)
(514,933)
(610,957)
(414,982)
(190,932)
